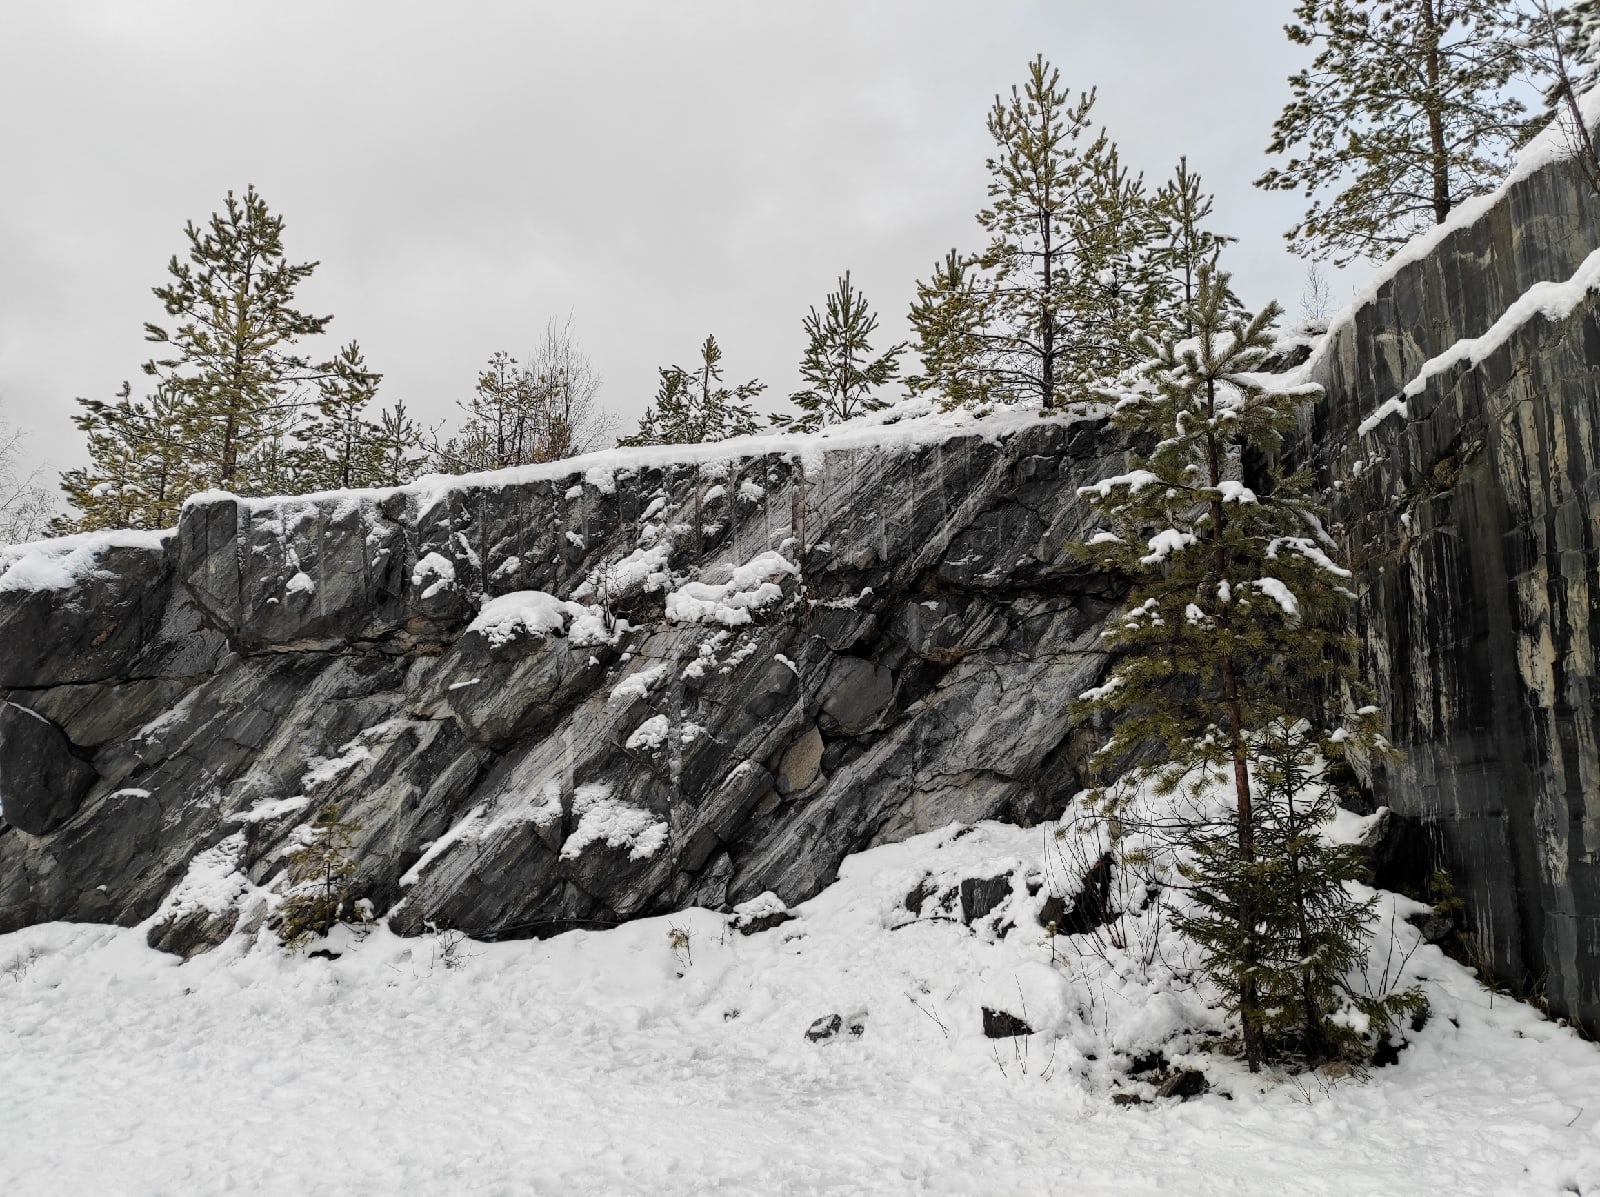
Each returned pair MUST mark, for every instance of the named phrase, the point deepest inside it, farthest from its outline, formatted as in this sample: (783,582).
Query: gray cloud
(465,172)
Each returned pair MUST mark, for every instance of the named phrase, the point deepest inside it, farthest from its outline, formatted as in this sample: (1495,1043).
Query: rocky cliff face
(551,698)
(1473,515)
(566,696)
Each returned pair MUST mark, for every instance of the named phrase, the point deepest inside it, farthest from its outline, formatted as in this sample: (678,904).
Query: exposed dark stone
(856,694)
(42,779)
(192,933)
(997,1024)
(1151,1061)
(1126,1099)
(1184,1084)
(1090,908)
(980,896)
(824,1028)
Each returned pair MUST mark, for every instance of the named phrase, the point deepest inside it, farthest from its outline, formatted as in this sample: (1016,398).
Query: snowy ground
(611,1062)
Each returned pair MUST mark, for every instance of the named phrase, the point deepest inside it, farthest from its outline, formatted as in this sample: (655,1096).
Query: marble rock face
(573,694)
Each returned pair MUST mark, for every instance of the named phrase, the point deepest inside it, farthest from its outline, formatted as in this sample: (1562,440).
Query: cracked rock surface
(559,699)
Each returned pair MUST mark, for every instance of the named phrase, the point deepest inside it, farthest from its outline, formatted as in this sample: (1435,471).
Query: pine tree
(838,365)
(1561,56)
(521,414)
(948,318)
(340,444)
(234,364)
(140,467)
(1184,247)
(396,444)
(1236,628)
(1403,114)
(692,407)
(1038,178)
(1050,308)
(319,873)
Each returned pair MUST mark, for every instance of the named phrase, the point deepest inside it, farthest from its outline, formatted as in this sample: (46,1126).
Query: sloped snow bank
(669,1056)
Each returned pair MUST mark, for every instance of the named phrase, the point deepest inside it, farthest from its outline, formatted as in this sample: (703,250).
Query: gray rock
(856,694)
(980,896)
(1184,1084)
(825,1028)
(998,1024)
(42,779)
(801,762)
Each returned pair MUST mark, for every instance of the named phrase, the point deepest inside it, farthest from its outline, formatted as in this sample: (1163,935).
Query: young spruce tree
(839,367)
(1402,115)
(1234,663)
(693,407)
(319,875)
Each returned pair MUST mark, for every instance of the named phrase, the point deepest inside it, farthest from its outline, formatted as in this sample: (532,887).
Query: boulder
(42,779)
(998,1024)
(801,762)
(856,694)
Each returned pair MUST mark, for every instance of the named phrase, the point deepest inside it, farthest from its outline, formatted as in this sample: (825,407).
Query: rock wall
(706,679)
(1473,517)
(575,694)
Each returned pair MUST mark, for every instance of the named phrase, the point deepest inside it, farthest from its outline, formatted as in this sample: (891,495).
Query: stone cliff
(552,698)
(1473,516)
(569,695)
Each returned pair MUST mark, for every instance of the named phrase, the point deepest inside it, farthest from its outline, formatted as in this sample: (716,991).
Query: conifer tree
(320,871)
(1402,115)
(235,364)
(1051,306)
(523,414)
(839,366)
(947,318)
(692,407)
(1561,56)
(1184,246)
(1044,158)
(140,467)
(1234,663)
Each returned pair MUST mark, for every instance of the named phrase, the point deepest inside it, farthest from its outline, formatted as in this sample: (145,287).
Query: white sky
(661,170)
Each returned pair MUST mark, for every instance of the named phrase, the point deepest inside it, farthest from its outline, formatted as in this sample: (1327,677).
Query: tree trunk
(1244,815)
(1438,154)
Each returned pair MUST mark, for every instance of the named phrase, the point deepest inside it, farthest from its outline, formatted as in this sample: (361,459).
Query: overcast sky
(464,172)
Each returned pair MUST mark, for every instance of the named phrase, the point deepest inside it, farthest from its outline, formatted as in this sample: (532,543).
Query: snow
(63,563)
(1274,589)
(538,614)
(1549,146)
(608,1061)
(637,685)
(1389,407)
(1165,543)
(435,573)
(603,819)
(751,588)
(650,734)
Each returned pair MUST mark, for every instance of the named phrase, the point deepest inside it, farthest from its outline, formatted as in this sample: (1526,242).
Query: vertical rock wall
(1473,518)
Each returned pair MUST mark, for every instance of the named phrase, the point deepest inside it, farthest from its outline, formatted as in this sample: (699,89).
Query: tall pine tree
(694,407)
(234,361)
(839,366)
(1402,115)
(1234,665)
(1050,309)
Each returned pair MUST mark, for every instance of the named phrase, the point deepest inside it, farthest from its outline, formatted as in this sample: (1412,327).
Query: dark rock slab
(43,779)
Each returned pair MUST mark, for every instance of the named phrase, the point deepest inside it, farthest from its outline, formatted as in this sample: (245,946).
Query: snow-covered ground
(639,1060)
